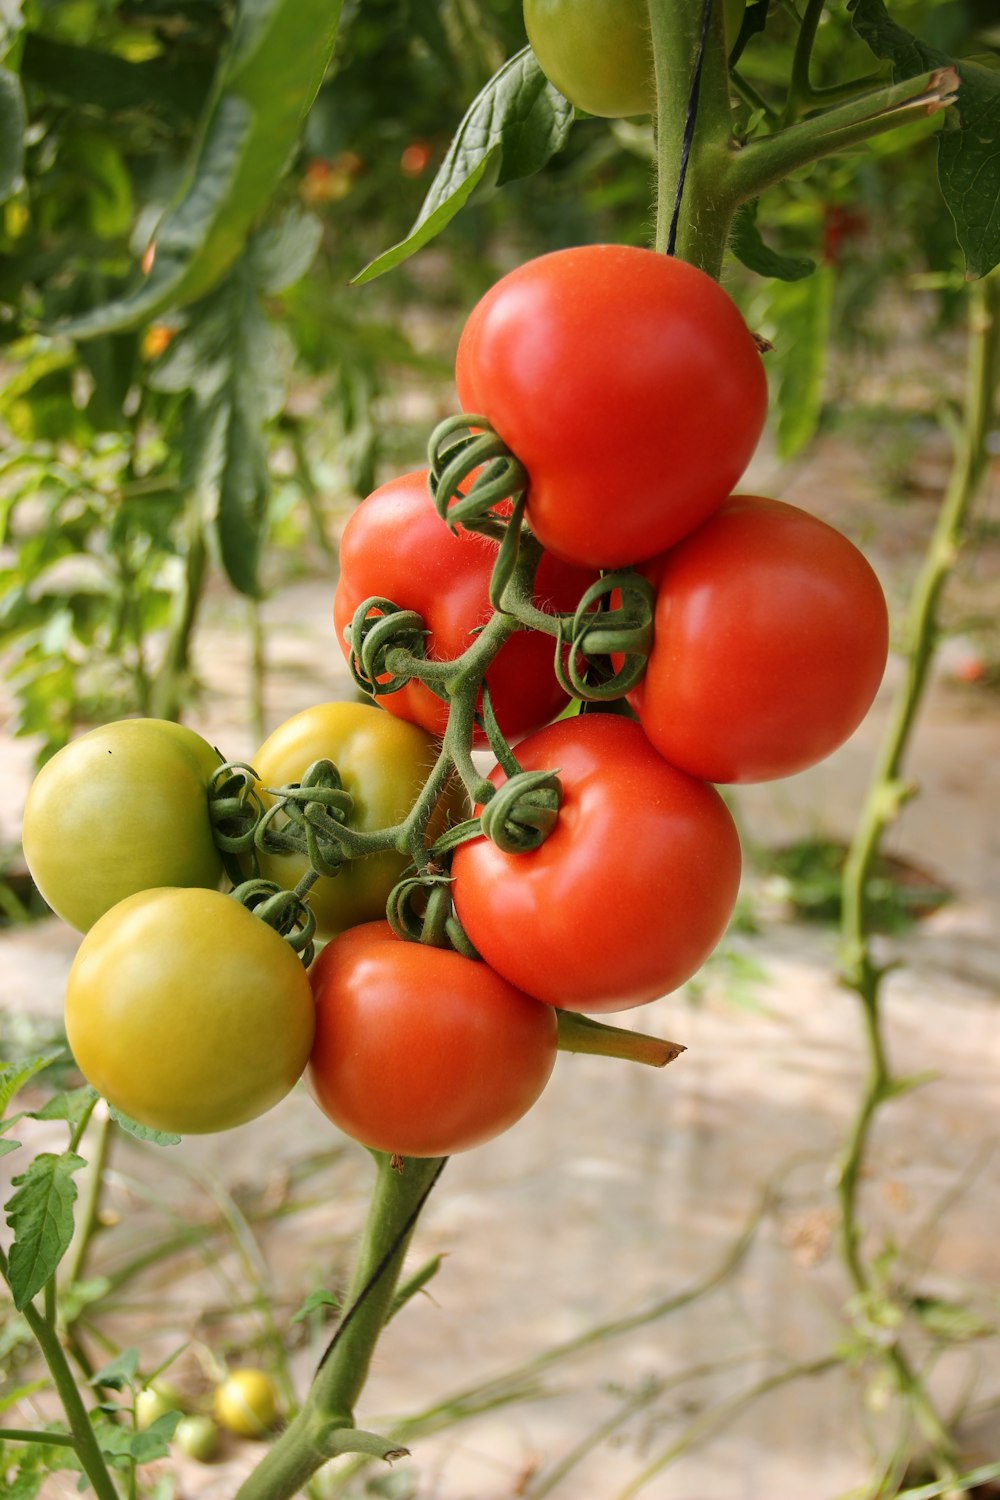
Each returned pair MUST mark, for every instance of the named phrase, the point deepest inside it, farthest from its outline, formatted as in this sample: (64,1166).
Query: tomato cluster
(573,585)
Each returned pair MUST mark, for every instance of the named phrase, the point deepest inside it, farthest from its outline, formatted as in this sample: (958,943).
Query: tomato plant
(122,809)
(770,640)
(396,546)
(599,54)
(187,1012)
(630,389)
(629,893)
(420,1051)
(383,763)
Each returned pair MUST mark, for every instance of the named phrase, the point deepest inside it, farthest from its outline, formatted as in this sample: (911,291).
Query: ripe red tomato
(770,640)
(627,384)
(396,546)
(420,1051)
(630,892)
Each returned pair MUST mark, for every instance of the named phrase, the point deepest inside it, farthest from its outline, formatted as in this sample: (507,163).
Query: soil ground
(571,1245)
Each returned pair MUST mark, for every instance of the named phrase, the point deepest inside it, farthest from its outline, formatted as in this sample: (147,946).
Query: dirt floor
(574,1245)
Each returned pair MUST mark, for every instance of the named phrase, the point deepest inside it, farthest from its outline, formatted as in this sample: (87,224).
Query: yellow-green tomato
(197,1437)
(599,53)
(246,1403)
(384,763)
(187,1012)
(122,809)
(150,1405)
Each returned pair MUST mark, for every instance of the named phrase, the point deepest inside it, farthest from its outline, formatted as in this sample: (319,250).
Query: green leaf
(119,1372)
(13,120)
(748,246)
(118,1442)
(951,1321)
(314,1302)
(16,1075)
(41,1216)
(514,125)
(85,74)
(143,1132)
(799,314)
(969,143)
(965,1482)
(71,1106)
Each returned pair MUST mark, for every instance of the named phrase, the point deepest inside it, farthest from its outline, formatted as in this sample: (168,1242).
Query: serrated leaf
(40,1213)
(143,1132)
(16,1075)
(515,124)
(70,1106)
(118,1442)
(748,246)
(13,120)
(969,143)
(118,1372)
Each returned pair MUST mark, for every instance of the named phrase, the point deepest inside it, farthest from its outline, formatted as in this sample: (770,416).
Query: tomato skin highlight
(246,1403)
(420,1051)
(384,763)
(188,1013)
(770,641)
(629,893)
(121,809)
(598,52)
(628,385)
(396,546)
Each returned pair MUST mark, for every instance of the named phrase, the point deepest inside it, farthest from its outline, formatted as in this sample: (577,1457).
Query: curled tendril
(522,813)
(587,644)
(377,627)
(235,810)
(420,910)
(465,446)
(286,912)
(310,815)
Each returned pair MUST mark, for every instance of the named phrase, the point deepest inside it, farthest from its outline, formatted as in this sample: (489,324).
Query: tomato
(627,384)
(151,1404)
(396,546)
(629,893)
(187,1012)
(197,1437)
(598,52)
(383,763)
(770,641)
(119,810)
(246,1403)
(420,1051)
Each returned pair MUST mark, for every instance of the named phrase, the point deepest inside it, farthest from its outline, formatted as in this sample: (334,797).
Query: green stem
(168,694)
(887,792)
(26,1435)
(324,1427)
(84,1440)
(583,1034)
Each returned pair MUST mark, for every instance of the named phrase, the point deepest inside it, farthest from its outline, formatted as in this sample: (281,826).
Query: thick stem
(583,1034)
(322,1428)
(887,792)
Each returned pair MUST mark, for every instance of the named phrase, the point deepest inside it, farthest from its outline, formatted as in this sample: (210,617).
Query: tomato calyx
(609,638)
(235,810)
(286,911)
(314,813)
(377,628)
(472,472)
(523,811)
(420,910)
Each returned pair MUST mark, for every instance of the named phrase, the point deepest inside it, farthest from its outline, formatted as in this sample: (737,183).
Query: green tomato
(187,1012)
(383,763)
(150,1405)
(598,52)
(197,1437)
(120,810)
(246,1403)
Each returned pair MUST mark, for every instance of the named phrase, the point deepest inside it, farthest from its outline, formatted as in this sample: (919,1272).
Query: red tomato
(420,1051)
(396,546)
(770,640)
(630,892)
(627,384)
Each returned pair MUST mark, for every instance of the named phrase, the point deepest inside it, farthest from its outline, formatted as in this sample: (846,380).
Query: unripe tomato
(598,52)
(395,546)
(151,1404)
(197,1437)
(383,763)
(629,387)
(770,641)
(122,809)
(187,1012)
(246,1403)
(629,893)
(420,1051)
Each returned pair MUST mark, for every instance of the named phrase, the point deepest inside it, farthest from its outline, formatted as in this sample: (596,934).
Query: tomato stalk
(324,1428)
